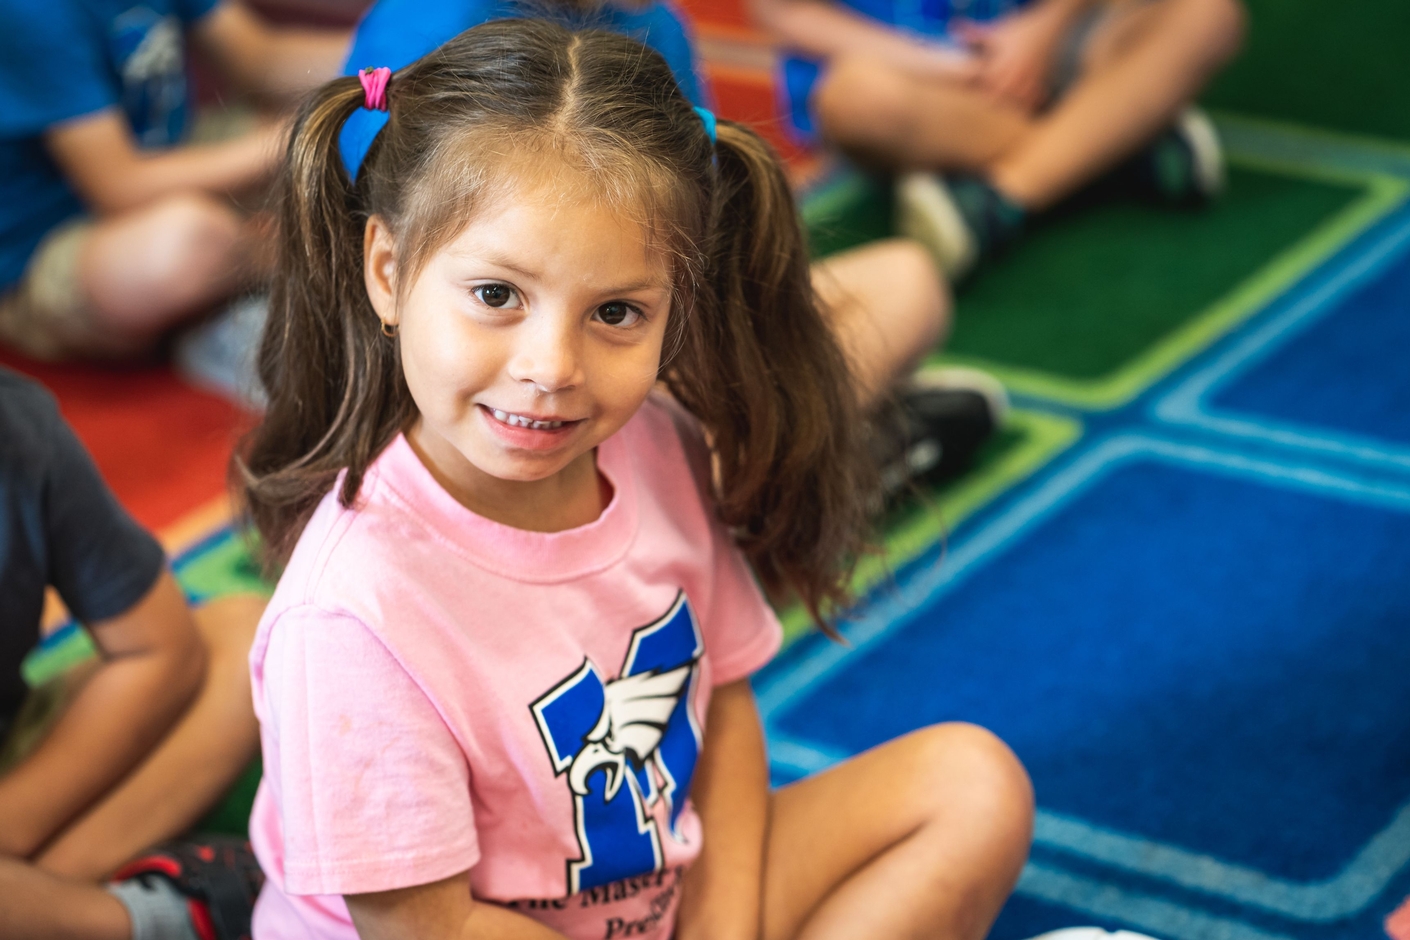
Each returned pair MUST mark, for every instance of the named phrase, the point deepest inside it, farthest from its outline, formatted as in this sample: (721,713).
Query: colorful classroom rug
(1190,624)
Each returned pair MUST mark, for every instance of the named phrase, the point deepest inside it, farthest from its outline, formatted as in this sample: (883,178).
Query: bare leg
(35,905)
(1169,50)
(1152,61)
(923,837)
(889,308)
(886,116)
(188,771)
(145,270)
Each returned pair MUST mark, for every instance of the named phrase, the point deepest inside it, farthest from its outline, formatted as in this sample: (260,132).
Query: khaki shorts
(47,315)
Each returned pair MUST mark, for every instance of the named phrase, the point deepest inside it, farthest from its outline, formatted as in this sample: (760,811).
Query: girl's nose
(547,355)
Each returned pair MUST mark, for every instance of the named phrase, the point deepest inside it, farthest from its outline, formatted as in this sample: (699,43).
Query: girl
(503,681)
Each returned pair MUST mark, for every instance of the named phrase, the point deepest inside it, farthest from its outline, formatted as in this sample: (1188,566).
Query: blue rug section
(1194,629)
(1346,373)
(1270,685)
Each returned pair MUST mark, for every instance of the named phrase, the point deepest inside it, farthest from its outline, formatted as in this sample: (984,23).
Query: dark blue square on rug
(1201,656)
(1349,372)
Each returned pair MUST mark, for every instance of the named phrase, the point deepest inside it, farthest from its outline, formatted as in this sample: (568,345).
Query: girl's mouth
(528,432)
(524,421)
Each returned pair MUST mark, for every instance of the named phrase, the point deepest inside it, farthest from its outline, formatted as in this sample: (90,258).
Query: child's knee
(912,268)
(195,230)
(983,774)
(1222,25)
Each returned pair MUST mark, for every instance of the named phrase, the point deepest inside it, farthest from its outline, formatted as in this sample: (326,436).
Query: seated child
(1019,111)
(503,682)
(944,415)
(156,731)
(112,228)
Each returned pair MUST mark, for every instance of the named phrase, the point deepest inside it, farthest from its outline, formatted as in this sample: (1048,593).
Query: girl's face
(527,340)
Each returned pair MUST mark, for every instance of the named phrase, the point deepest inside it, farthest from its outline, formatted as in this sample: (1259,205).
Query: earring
(389,330)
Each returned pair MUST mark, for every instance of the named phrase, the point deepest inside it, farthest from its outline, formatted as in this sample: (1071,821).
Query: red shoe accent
(201,920)
(150,863)
(206,853)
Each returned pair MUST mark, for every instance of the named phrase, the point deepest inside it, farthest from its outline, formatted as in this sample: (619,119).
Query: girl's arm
(731,792)
(442,910)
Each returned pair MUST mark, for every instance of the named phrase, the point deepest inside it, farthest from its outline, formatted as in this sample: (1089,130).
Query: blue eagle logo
(625,744)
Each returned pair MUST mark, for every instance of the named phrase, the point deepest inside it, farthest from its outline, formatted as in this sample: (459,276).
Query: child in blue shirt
(1018,102)
(111,227)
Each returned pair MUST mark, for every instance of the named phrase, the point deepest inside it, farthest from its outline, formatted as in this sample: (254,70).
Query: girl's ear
(379,269)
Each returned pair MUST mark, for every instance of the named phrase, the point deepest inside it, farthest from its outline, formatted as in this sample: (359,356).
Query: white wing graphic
(635,711)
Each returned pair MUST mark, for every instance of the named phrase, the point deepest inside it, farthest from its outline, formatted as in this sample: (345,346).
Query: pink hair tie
(374,86)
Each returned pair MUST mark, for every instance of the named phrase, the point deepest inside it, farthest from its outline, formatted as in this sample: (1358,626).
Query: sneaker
(219,354)
(218,876)
(962,220)
(941,420)
(1184,165)
(1091,933)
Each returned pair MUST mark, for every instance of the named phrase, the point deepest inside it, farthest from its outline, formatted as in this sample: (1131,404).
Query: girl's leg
(188,771)
(35,905)
(889,307)
(1134,84)
(923,837)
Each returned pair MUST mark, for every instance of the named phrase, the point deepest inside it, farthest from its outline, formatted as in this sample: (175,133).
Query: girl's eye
(495,295)
(618,314)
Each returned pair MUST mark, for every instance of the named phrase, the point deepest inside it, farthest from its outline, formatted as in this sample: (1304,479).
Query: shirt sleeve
(99,559)
(373,789)
(742,632)
(53,66)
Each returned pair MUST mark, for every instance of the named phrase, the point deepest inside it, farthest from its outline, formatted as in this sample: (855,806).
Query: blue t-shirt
(62,59)
(395,33)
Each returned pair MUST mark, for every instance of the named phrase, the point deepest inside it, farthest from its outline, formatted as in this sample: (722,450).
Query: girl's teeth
(523,422)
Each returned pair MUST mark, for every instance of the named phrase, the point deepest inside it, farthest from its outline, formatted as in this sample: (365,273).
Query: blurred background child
(119,214)
(1018,110)
(135,747)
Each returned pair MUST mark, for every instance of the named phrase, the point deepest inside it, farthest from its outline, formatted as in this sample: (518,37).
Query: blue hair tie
(707,117)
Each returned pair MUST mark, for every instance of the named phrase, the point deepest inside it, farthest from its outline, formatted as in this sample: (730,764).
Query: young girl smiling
(503,683)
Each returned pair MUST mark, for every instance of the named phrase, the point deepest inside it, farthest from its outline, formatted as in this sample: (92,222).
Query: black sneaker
(962,220)
(1183,165)
(941,420)
(218,875)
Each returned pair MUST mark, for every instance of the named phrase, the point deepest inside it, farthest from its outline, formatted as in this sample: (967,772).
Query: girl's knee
(982,778)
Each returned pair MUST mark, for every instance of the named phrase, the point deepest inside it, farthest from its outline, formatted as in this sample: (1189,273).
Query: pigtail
(764,373)
(336,395)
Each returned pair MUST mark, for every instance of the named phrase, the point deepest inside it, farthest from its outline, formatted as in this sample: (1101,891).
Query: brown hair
(748,351)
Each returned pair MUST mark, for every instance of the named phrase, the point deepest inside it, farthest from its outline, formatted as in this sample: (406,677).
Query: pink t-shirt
(438,692)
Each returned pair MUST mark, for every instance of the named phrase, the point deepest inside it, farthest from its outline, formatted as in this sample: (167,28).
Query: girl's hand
(1016,53)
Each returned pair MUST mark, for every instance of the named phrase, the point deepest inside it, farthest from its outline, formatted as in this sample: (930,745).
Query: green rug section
(846,209)
(1333,65)
(1095,305)
(1028,441)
